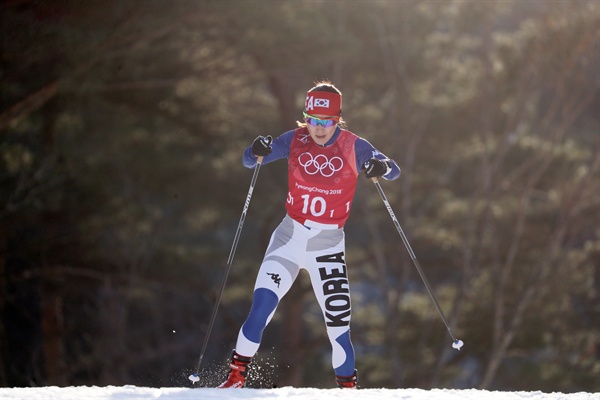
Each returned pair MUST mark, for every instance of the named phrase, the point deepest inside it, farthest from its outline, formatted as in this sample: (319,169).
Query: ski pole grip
(366,166)
(259,160)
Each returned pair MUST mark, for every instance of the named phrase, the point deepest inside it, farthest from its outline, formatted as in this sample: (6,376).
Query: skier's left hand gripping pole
(194,377)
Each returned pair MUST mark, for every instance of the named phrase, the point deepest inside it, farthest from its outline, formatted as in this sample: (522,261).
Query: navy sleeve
(365,151)
(280,146)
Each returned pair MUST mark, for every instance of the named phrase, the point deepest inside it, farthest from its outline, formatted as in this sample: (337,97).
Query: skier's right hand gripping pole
(261,147)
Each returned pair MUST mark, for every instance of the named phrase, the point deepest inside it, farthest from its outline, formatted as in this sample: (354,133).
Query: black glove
(374,168)
(261,147)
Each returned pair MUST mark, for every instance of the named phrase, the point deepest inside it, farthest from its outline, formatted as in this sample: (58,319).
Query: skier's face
(319,133)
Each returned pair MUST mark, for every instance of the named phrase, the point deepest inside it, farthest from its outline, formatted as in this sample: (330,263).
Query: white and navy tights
(320,252)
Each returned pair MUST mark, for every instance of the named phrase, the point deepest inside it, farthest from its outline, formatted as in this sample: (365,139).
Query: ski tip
(457,344)
(194,378)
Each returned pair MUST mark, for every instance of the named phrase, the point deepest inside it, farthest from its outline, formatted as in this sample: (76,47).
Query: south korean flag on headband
(323,103)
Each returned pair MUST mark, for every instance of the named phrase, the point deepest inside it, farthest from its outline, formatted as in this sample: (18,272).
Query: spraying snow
(287,393)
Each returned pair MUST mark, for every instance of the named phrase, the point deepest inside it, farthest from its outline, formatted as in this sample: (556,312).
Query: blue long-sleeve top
(363,149)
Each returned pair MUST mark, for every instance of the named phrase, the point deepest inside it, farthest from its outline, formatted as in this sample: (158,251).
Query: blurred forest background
(122,129)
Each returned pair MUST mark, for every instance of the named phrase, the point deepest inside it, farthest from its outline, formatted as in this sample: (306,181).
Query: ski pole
(194,377)
(456,343)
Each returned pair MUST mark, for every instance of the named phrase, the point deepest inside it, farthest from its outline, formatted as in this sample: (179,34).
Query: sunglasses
(325,123)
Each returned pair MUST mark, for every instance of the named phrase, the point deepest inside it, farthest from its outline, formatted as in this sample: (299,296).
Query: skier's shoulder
(348,133)
(288,136)
(299,134)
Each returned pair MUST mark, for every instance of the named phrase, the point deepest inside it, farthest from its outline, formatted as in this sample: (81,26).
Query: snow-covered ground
(287,393)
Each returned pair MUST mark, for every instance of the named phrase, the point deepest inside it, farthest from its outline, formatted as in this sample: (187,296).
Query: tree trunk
(52,322)
(52,333)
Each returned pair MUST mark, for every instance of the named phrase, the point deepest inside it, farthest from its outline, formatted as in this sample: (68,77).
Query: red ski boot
(238,373)
(347,382)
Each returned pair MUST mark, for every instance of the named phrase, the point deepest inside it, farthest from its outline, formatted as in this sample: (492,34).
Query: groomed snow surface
(287,393)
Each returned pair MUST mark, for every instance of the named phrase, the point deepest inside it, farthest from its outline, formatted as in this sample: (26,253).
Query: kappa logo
(276,278)
(312,102)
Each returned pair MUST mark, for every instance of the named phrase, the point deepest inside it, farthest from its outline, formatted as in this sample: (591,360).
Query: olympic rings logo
(320,164)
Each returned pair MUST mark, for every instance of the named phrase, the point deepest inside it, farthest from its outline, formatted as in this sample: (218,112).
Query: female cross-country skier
(324,161)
